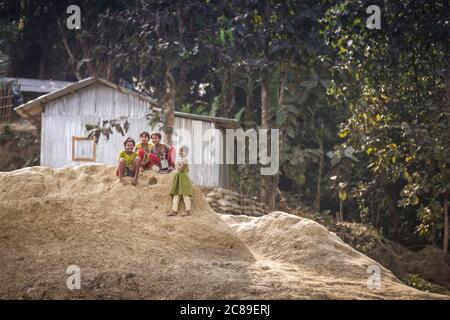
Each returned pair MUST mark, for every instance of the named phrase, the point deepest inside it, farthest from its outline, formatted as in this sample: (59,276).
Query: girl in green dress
(181,184)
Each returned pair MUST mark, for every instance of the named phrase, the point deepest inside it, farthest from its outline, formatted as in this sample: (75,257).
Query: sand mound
(125,246)
(303,242)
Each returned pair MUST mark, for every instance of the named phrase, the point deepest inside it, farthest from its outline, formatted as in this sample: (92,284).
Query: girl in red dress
(161,155)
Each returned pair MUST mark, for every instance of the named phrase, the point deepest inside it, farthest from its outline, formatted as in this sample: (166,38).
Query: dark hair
(156,134)
(144,133)
(128,140)
(185,149)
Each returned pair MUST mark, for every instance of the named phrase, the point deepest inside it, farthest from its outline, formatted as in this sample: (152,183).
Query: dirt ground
(19,145)
(429,262)
(126,247)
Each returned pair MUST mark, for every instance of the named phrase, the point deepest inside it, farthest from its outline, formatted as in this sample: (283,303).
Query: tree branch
(68,50)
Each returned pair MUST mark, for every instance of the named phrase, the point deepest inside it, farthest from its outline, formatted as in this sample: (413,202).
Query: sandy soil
(126,247)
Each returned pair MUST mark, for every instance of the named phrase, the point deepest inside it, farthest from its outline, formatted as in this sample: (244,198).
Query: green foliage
(8,35)
(416,281)
(4,64)
(190,108)
(393,83)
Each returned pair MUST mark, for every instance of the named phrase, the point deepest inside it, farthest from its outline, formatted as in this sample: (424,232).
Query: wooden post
(6,103)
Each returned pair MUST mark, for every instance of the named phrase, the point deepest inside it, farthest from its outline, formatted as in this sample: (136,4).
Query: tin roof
(32,109)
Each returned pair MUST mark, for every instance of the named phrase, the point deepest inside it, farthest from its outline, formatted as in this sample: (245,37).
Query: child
(161,154)
(129,162)
(143,149)
(181,184)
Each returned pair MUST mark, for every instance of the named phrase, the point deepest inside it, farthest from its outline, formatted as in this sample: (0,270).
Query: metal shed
(63,114)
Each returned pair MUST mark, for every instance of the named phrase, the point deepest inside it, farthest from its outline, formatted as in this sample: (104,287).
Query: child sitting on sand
(161,154)
(129,163)
(143,149)
(181,184)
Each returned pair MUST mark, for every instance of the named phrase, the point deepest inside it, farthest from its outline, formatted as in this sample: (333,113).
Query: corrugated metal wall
(67,116)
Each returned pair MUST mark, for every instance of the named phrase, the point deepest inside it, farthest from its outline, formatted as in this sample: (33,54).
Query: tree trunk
(179,13)
(88,56)
(319,178)
(249,103)
(283,201)
(264,125)
(43,63)
(445,208)
(446,194)
(72,60)
(394,217)
(377,220)
(340,216)
(169,106)
(266,193)
(390,194)
(273,187)
(227,93)
(280,90)
(433,236)
(265,101)
(268,186)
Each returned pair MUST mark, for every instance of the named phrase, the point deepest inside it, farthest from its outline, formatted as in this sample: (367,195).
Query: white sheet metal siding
(205,173)
(67,116)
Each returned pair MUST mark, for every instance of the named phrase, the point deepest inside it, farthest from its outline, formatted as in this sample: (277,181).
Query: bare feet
(172,213)
(186,213)
(134,181)
(123,180)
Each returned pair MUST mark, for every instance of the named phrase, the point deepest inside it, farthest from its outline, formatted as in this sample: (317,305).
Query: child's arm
(184,164)
(178,164)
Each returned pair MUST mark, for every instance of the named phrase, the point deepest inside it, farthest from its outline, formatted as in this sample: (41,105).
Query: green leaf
(315,152)
(303,97)
(326,83)
(238,115)
(414,200)
(335,159)
(281,117)
(290,132)
(229,34)
(309,84)
(342,195)
(222,36)
(406,175)
(293,109)
(343,133)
